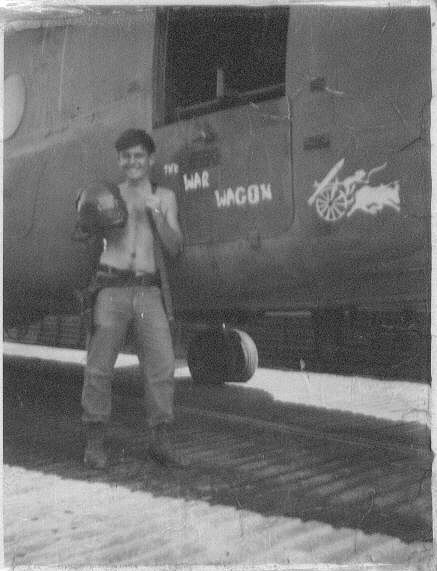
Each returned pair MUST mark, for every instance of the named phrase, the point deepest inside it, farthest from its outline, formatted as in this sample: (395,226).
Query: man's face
(135,162)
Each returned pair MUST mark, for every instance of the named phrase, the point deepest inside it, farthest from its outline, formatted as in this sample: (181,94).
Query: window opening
(220,57)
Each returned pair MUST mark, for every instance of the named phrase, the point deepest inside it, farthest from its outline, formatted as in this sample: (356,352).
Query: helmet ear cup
(100,207)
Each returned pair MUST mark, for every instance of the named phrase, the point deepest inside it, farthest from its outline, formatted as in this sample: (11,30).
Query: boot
(161,448)
(95,455)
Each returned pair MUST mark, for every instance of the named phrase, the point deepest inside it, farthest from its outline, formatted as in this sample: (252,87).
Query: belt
(119,277)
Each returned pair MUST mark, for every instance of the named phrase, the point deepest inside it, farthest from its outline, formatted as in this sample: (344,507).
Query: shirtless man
(129,273)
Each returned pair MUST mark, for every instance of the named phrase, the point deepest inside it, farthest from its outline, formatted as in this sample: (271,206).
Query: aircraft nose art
(232,172)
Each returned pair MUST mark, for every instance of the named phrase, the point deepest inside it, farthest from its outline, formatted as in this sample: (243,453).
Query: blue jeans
(114,310)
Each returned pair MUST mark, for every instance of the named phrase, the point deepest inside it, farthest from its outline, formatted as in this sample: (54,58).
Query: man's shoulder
(164,192)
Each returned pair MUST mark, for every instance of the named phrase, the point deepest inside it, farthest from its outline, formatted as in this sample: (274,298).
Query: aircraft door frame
(227,154)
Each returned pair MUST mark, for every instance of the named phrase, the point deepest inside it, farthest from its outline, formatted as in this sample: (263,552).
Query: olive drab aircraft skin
(296,139)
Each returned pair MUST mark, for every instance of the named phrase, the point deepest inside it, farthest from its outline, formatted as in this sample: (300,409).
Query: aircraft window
(221,57)
(14,104)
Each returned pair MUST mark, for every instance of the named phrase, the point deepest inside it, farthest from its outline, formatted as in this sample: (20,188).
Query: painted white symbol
(372,199)
(334,198)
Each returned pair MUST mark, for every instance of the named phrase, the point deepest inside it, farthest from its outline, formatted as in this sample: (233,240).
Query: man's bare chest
(137,210)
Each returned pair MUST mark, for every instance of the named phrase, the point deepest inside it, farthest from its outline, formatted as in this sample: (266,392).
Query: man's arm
(166,221)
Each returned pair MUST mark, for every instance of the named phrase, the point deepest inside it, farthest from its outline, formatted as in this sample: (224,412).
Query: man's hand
(164,211)
(153,204)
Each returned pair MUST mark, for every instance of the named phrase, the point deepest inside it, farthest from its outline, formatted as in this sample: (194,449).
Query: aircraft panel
(231,172)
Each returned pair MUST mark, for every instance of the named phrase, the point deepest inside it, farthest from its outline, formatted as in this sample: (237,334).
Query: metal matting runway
(254,494)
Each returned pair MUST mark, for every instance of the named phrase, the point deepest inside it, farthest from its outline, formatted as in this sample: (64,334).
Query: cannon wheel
(332,203)
(217,356)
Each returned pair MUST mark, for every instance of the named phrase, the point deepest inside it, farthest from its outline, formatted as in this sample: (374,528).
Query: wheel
(217,356)
(332,203)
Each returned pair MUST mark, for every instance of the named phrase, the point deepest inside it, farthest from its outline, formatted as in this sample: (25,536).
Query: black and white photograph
(217,285)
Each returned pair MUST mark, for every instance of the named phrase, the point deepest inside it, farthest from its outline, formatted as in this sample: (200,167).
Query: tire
(217,356)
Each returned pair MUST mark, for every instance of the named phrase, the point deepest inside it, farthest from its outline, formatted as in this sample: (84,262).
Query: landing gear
(221,355)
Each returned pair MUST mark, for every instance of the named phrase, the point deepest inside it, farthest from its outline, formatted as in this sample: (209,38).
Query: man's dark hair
(133,137)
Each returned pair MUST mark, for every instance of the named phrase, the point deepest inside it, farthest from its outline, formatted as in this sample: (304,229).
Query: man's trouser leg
(157,362)
(111,317)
